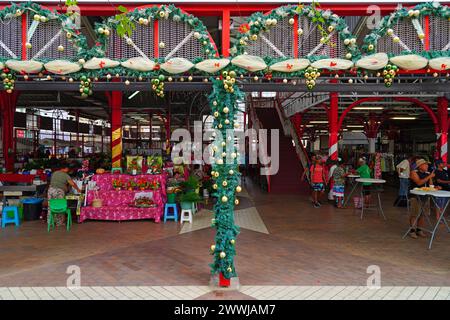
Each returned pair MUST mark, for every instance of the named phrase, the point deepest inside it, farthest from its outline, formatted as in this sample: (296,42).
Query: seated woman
(59,186)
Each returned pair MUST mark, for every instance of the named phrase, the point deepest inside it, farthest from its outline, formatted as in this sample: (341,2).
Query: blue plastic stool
(6,219)
(174,214)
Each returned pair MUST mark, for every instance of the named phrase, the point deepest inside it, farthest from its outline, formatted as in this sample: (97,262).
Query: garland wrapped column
(223,102)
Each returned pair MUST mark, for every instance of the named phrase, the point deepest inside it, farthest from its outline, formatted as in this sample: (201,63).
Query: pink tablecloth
(115,204)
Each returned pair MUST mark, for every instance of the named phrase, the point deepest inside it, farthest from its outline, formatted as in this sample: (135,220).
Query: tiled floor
(206,293)
(286,249)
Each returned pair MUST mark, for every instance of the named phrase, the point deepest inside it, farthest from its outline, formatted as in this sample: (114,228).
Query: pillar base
(214,284)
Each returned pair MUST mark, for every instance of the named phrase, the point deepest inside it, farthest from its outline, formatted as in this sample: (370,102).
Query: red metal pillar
(226,33)
(8,103)
(443,125)
(115,103)
(333,121)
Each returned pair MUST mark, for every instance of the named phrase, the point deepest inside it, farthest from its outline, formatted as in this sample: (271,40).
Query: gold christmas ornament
(236,202)
(224,199)
(238,189)
(213,247)
(222,255)
(232,241)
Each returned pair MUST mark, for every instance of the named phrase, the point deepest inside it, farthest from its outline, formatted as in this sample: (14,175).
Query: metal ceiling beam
(400,88)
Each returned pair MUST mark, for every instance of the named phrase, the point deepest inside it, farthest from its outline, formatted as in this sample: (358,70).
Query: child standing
(339,184)
(317,181)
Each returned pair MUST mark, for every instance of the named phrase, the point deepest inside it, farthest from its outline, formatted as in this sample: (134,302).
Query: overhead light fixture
(309,126)
(360,131)
(133,95)
(318,121)
(403,118)
(368,108)
(355,126)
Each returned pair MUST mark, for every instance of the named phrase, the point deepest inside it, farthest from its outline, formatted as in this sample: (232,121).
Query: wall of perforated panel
(405,30)
(172,33)
(46,39)
(310,38)
(10,35)
(439,33)
(142,37)
(280,36)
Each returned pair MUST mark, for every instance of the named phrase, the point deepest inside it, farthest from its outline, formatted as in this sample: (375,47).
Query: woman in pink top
(318,181)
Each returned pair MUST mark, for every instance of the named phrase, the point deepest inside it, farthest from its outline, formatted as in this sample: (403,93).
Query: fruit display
(389,73)
(311,74)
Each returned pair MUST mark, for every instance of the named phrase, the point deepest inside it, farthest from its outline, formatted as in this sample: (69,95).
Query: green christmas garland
(259,23)
(36,12)
(387,22)
(223,103)
(146,17)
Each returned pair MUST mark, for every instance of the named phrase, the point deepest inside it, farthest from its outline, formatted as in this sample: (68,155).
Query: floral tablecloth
(116,204)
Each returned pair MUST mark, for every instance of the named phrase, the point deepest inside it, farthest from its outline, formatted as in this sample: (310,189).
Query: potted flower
(117,184)
(143,184)
(191,184)
(154,185)
(131,185)
(188,199)
(133,167)
(172,189)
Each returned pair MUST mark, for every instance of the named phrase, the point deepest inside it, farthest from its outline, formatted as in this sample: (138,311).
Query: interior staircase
(288,177)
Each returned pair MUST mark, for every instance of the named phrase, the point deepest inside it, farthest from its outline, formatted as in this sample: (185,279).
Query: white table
(422,197)
(379,208)
(352,178)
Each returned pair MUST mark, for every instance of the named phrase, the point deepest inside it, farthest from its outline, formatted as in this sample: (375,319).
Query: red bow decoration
(333,64)
(244,28)
(217,64)
(443,66)
(102,64)
(289,66)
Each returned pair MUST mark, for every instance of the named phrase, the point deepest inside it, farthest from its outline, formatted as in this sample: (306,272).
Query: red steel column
(226,33)
(8,103)
(333,119)
(115,103)
(443,125)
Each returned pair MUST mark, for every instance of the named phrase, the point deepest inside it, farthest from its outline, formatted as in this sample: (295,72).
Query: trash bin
(32,208)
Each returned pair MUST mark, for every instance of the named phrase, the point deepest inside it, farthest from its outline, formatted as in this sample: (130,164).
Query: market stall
(120,197)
